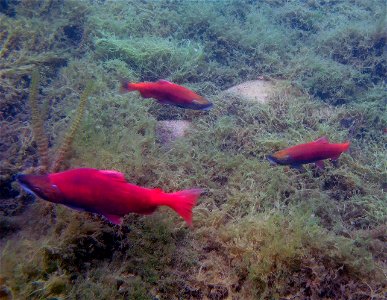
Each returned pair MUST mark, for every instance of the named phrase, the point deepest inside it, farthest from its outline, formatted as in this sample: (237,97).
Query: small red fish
(106,192)
(168,93)
(313,152)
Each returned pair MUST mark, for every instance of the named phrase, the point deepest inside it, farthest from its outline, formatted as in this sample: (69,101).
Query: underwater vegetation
(259,232)
(38,127)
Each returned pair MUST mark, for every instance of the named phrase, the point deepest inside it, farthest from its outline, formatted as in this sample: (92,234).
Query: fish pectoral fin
(146,94)
(298,167)
(117,220)
(335,157)
(164,101)
(335,163)
(320,164)
(78,208)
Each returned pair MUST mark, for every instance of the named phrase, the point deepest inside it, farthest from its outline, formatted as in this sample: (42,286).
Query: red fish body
(169,93)
(313,152)
(107,193)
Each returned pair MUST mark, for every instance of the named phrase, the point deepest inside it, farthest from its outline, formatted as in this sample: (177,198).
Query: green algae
(152,58)
(259,231)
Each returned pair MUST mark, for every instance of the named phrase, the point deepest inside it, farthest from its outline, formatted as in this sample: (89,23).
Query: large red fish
(107,193)
(168,93)
(313,152)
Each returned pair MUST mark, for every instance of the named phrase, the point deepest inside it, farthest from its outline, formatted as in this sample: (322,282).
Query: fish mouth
(23,183)
(32,184)
(21,179)
(198,106)
(272,160)
(26,189)
(207,106)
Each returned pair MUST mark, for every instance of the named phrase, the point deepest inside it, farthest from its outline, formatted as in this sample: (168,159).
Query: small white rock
(168,131)
(253,90)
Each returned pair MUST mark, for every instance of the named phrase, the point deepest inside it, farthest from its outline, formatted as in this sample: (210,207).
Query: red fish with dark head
(107,193)
(313,152)
(168,93)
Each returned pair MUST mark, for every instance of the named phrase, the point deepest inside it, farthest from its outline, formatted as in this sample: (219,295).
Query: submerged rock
(254,90)
(168,131)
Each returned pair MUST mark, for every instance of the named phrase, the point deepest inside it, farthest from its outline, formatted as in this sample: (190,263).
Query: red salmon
(107,193)
(168,93)
(313,152)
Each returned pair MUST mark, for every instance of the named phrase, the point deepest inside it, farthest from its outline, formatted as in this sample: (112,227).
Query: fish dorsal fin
(114,175)
(163,81)
(322,140)
(298,167)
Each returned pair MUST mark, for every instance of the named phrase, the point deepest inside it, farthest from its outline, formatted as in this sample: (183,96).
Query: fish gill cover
(260,232)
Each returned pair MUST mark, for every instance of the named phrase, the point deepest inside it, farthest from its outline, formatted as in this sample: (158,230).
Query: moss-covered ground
(260,232)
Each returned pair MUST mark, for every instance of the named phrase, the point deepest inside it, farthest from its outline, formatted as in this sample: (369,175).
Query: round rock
(168,131)
(253,90)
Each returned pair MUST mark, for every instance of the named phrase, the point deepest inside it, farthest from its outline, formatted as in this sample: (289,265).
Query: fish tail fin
(346,146)
(126,86)
(182,202)
(342,148)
